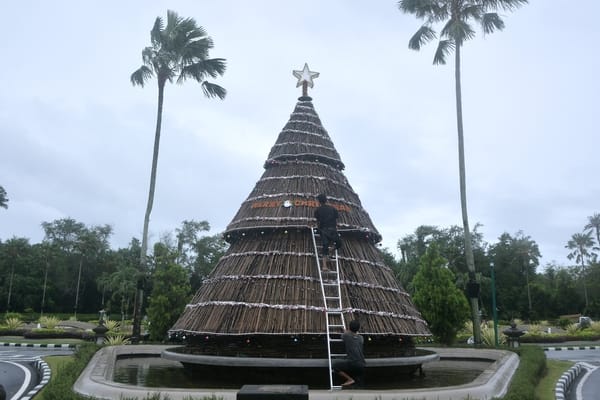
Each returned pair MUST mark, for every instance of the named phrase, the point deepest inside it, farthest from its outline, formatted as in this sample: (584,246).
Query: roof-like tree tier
(271,285)
(304,138)
(302,164)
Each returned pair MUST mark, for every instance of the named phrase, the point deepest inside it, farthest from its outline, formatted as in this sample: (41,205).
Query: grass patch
(532,367)
(65,371)
(555,368)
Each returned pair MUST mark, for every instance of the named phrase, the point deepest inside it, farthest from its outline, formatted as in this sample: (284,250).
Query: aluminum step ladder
(334,318)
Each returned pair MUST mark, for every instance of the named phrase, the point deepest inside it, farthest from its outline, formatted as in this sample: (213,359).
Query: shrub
(572,329)
(13,323)
(4,331)
(531,369)
(13,315)
(113,327)
(563,323)
(57,334)
(116,340)
(535,329)
(49,322)
(487,336)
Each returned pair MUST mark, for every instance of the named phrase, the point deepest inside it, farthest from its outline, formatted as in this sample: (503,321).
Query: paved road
(587,386)
(17,373)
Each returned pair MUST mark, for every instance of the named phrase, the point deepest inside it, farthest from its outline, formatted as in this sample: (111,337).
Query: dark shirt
(354,348)
(326,216)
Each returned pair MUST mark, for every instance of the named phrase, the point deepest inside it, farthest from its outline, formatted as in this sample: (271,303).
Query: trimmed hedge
(532,367)
(57,334)
(555,338)
(12,332)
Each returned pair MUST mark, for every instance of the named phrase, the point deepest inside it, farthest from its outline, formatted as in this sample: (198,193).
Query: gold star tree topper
(305,78)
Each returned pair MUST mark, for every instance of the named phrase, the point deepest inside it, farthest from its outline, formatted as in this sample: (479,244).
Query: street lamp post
(494,310)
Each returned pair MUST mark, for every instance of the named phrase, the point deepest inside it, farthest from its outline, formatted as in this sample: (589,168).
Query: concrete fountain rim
(96,379)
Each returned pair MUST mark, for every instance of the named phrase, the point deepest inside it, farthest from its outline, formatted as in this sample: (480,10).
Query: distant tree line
(523,290)
(74,270)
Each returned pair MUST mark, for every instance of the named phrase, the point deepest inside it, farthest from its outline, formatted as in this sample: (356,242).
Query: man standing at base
(327,217)
(353,366)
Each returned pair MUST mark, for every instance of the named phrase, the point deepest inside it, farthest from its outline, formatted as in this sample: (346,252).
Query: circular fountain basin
(425,356)
(97,378)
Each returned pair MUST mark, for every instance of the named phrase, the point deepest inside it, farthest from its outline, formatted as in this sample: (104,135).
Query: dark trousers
(328,236)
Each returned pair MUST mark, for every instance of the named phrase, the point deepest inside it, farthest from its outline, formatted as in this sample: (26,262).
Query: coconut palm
(3,198)
(594,225)
(457,29)
(580,244)
(178,51)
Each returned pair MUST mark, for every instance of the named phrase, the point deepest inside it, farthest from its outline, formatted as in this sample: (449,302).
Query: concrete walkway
(96,379)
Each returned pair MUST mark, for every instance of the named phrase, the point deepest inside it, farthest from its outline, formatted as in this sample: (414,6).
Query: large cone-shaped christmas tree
(264,296)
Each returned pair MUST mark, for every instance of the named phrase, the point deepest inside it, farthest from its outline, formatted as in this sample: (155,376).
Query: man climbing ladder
(327,217)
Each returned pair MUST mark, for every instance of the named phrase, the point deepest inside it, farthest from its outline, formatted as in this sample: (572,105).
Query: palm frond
(196,49)
(507,5)
(474,11)
(148,55)
(212,90)
(490,22)
(444,48)
(457,30)
(141,75)
(156,32)
(430,10)
(202,69)
(421,37)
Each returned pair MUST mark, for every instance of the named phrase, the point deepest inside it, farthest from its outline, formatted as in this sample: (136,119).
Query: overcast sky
(76,137)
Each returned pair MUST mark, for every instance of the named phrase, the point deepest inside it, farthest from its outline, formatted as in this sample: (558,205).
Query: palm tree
(3,198)
(457,29)
(579,244)
(594,224)
(179,51)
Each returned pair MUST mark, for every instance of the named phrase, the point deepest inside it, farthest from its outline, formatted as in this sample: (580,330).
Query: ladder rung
(338,355)
(336,326)
(335,340)
(336,388)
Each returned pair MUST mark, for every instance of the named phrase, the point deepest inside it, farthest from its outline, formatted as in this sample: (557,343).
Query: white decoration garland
(303,307)
(305,144)
(312,155)
(301,278)
(290,130)
(281,219)
(309,195)
(298,254)
(296,161)
(299,121)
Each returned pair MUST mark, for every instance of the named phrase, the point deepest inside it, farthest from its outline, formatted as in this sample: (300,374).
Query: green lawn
(545,389)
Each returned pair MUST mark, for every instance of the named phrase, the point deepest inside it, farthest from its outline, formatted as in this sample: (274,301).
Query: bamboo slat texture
(267,284)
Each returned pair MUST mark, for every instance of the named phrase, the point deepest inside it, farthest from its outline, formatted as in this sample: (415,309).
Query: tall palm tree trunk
(583,273)
(473,299)
(77,290)
(139,300)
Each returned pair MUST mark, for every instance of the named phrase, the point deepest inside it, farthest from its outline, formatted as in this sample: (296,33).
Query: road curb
(565,381)
(571,348)
(45,373)
(40,345)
